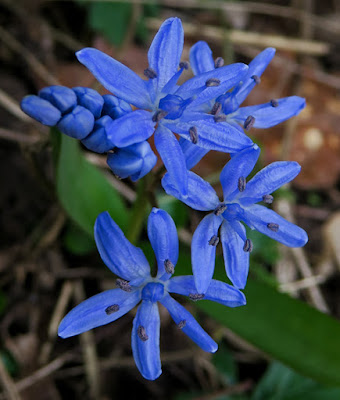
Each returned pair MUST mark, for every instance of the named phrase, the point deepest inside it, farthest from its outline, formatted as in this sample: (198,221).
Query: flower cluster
(205,111)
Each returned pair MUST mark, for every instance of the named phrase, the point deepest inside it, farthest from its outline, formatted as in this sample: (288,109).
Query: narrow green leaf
(83,190)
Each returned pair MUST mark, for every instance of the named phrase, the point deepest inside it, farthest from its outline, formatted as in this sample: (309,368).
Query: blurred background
(278,347)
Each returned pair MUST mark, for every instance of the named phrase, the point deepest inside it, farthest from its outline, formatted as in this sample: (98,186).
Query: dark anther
(220,209)
(268,198)
(257,79)
(273,227)
(169,267)
(241,183)
(249,122)
(196,296)
(214,240)
(274,103)
(217,107)
(112,309)
(248,246)
(142,333)
(212,82)
(181,324)
(193,134)
(123,284)
(220,118)
(184,64)
(150,73)
(158,115)
(219,62)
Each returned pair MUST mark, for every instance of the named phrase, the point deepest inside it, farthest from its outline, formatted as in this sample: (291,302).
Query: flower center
(153,291)
(174,105)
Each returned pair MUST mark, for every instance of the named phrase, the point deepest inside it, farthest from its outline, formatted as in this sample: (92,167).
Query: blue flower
(166,106)
(137,285)
(239,204)
(226,107)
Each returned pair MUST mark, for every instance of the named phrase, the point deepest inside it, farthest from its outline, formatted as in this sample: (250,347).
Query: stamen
(219,62)
(158,115)
(196,296)
(150,73)
(257,79)
(249,122)
(112,309)
(268,198)
(123,284)
(193,134)
(142,333)
(217,107)
(184,65)
(248,246)
(169,267)
(274,103)
(181,324)
(241,183)
(220,209)
(273,227)
(214,240)
(220,118)
(212,82)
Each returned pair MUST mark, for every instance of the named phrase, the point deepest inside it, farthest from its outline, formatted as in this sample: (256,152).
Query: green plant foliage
(77,241)
(83,190)
(282,383)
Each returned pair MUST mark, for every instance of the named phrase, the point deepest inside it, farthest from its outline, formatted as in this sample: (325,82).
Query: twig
(8,384)
(228,391)
(250,38)
(12,106)
(30,58)
(302,283)
(17,136)
(89,350)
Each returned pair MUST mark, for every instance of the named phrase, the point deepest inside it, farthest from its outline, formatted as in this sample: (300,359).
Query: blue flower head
(136,285)
(239,204)
(227,109)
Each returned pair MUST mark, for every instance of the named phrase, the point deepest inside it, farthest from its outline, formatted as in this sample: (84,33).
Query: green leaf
(83,190)
(281,383)
(287,329)
(77,241)
(110,19)
(225,364)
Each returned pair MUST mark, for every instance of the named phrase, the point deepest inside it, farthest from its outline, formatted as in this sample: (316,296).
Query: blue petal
(289,234)
(191,327)
(201,59)
(163,238)
(267,116)
(201,195)
(98,140)
(236,260)
(229,76)
(256,67)
(60,96)
(115,107)
(203,253)
(116,77)
(239,166)
(172,156)
(146,352)
(192,153)
(165,51)
(268,180)
(89,99)
(123,259)
(41,110)
(136,161)
(211,135)
(91,313)
(133,127)
(78,123)
(218,291)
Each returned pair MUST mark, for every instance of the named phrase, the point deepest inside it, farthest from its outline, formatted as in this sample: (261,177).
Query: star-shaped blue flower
(136,285)
(227,107)
(239,204)
(165,106)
